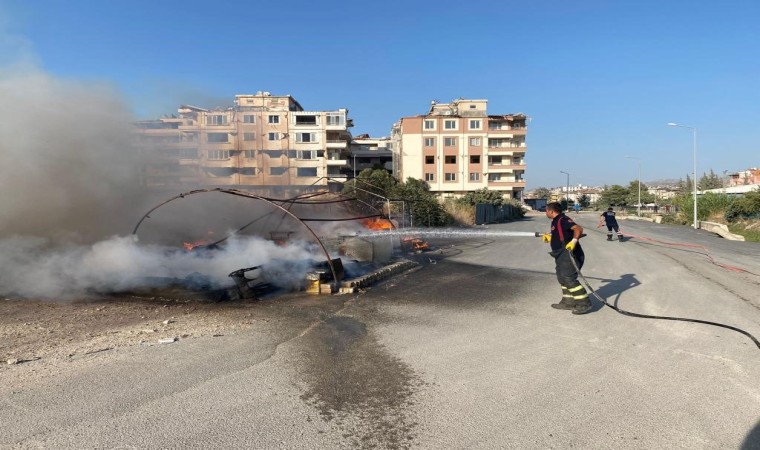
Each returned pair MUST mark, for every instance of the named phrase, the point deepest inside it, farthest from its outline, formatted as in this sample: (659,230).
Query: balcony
(505,167)
(336,143)
(336,162)
(505,150)
(505,183)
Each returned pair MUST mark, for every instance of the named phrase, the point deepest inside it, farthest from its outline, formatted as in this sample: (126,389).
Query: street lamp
(638,211)
(694,149)
(567,191)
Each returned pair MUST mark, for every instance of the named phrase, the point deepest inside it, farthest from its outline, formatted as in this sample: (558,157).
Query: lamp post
(638,210)
(694,150)
(567,191)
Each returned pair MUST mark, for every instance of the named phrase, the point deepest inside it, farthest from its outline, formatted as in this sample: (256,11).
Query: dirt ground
(44,338)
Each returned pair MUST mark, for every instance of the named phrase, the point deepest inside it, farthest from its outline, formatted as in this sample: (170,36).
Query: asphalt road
(462,353)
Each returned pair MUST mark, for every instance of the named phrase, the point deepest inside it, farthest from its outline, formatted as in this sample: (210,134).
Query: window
(450,159)
(188,153)
(474,176)
(305,120)
(494,177)
(218,137)
(277,170)
(307,154)
(306,137)
(429,142)
(450,142)
(274,136)
(249,136)
(474,142)
(306,172)
(249,154)
(218,154)
(274,119)
(450,124)
(335,119)
(216,119)
(451,176)
(249,118)
(429,177)
(430,160)
(474,124)
(474,159)
(430,124)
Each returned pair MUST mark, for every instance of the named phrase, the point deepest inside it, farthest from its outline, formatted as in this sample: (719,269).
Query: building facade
(370,153)
(745,177)
(458,147)
(262,141)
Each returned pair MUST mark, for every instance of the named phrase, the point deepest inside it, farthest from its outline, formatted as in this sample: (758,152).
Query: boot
(620,237)
(609,237)
(565,303)
(583,307)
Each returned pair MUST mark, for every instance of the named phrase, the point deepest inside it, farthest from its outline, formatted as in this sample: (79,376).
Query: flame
(377,223)
(199,243)
(191,245)
(416,244)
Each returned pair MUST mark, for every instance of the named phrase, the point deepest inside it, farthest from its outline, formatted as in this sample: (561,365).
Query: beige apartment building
(458,147)
(263,141)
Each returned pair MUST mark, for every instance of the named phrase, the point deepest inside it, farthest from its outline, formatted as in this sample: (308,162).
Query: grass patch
(750,229)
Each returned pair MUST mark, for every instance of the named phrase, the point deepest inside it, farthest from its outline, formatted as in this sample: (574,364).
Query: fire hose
(587,285)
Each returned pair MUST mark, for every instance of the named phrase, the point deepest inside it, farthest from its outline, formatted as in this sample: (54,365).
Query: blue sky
(599,79)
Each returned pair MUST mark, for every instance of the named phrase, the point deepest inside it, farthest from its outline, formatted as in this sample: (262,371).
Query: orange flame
(377,223)
(199,243)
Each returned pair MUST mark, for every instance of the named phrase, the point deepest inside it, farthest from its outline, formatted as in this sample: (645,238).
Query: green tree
(710,181)
(543,193)
(584,200)
(483,196)
(615,195)
(746,206)
(371,187)
(633,194)
(424,206)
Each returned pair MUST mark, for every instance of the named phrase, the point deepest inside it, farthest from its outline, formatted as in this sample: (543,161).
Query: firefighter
(563,238)
(608,218)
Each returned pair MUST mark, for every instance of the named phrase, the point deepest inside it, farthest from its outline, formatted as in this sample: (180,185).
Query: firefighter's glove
(546,237)
(571,245)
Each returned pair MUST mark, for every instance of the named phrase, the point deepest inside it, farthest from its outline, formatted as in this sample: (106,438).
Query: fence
(485,213)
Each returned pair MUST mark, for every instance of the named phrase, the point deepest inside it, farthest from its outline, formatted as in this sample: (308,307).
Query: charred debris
(347,249)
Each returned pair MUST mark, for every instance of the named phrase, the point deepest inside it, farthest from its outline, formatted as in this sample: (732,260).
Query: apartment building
(368,153)
(263,141)
(745,177)
(458,147)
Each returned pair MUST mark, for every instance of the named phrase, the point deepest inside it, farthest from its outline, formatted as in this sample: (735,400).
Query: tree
(615,195)
(483,196)
(633,194)
(543,193)
(710,181)
(584,200)
(371,187)
(424,206)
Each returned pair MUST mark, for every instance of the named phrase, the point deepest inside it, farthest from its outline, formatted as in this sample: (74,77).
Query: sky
(599,80)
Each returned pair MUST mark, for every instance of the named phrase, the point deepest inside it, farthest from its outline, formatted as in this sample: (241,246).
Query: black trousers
(567,275)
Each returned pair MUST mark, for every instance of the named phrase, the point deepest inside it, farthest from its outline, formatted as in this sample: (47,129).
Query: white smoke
(69,183)
(32,269)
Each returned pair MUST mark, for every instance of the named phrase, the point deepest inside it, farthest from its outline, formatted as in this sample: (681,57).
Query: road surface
(463,352)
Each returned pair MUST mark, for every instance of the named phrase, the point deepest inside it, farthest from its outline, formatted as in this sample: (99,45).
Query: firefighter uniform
(574,295)
(611,222)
